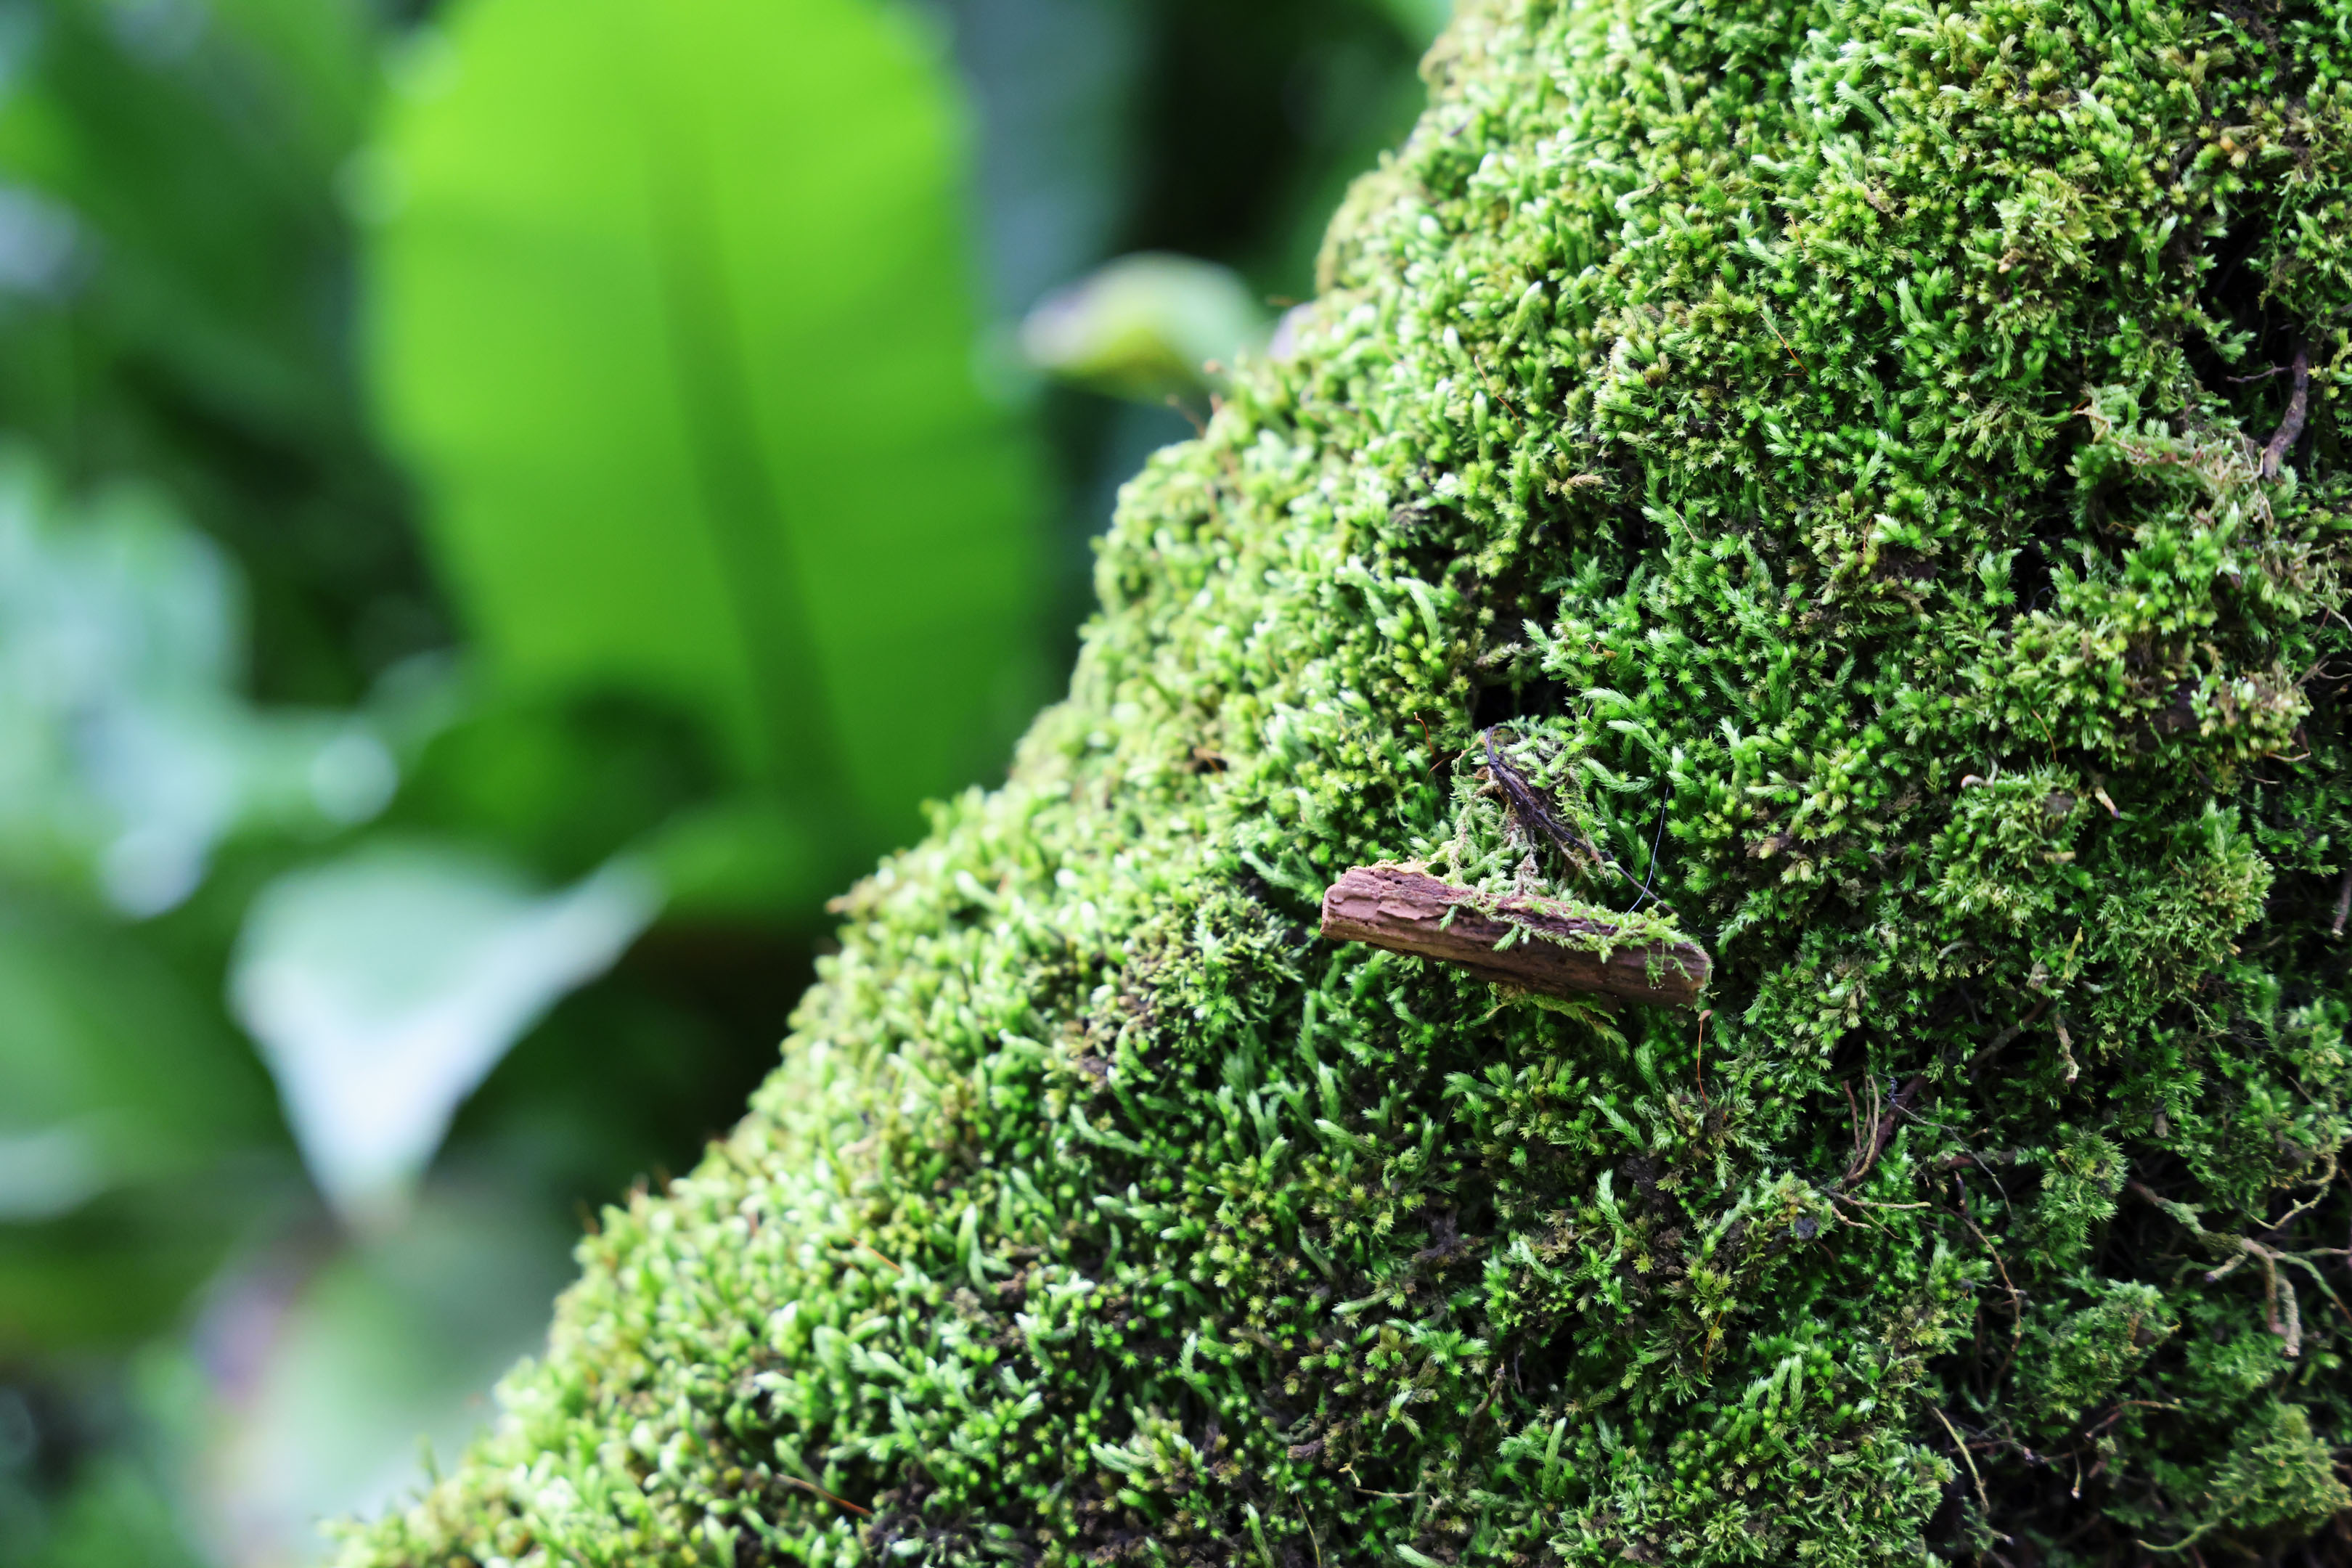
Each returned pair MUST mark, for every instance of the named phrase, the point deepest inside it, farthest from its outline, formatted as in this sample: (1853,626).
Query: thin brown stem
(2298,409)
(812,1488)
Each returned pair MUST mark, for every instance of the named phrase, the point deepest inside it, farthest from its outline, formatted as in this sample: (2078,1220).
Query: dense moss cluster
(1876,467)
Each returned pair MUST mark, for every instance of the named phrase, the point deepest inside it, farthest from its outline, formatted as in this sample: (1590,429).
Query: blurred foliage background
(504,506)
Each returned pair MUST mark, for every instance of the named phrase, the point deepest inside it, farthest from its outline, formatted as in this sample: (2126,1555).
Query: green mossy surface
(1830,437)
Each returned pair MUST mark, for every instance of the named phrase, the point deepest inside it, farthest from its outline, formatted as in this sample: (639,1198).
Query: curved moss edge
(1842,427)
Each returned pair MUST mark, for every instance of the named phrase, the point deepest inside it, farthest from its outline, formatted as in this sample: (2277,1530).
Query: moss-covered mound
(1875,469)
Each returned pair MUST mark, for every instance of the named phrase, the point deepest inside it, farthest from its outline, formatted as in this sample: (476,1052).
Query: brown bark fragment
(1554,952)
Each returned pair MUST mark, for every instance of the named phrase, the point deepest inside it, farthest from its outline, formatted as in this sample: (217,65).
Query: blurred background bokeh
(505,506)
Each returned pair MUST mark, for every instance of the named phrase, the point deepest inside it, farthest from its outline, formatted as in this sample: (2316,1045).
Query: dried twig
(861,1244)
(2298,408)
(2016,1297)
(1881,1130)
(1698,1066)
(812,1487)
(2281,1313)
(1970,1459)
(2001,1040)
(1538,815)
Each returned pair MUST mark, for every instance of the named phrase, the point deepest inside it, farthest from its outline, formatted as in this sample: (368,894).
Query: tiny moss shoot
(1884,455)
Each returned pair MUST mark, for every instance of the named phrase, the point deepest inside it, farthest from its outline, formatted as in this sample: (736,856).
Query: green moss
(1831,440)
(2072,1361)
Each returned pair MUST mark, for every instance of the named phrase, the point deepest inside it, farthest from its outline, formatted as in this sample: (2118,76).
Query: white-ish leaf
(382,987)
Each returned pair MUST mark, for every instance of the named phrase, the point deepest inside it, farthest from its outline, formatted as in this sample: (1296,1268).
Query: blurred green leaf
(127,749)
(116,1516)
(1422,20)
(1056,85)
(174,299)
(130,1115)
(671,311)
(355,1367)
(557,781)
(183,137)
(99,1035)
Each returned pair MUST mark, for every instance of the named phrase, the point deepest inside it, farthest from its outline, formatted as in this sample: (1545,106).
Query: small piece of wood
(1553,952)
